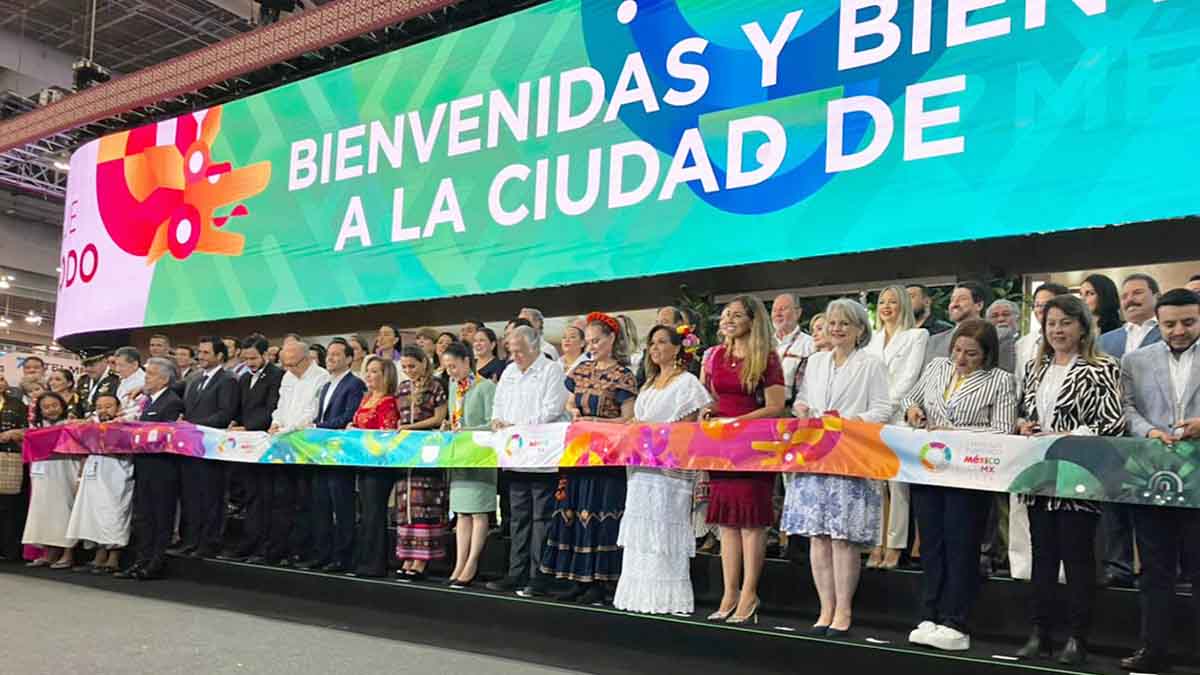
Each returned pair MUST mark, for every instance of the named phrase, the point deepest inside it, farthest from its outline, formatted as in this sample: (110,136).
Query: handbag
(12,473)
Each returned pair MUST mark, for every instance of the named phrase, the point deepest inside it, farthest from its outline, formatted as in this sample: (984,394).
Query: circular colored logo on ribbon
(935,456)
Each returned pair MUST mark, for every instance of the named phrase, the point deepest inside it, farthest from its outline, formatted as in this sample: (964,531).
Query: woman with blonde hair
(839,514)
(745,377)
(901,346)
(816,328)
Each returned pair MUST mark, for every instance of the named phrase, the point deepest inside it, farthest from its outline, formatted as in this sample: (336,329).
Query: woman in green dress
(472,491)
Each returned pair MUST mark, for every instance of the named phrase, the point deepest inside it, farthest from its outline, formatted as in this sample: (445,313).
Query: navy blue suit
(155,491)
(1117,519)
(333,491)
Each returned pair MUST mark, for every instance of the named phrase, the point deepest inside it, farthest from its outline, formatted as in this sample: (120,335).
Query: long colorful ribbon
(1096,468)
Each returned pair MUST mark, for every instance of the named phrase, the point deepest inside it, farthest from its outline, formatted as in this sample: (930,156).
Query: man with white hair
(297,410)
(793,345)
(531,391)
(156,478)
(534,317)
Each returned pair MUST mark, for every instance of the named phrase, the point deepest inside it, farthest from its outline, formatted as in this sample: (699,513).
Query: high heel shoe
(752,617)
(721,616)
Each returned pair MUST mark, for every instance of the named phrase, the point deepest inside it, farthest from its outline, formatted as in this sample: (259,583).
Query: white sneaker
(948,639)
(920,635)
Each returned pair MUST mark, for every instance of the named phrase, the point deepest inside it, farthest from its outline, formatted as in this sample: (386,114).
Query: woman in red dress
(376,411)
(745,377)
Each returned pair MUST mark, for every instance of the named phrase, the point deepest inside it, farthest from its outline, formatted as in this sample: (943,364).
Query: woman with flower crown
(656,532)
(581,543)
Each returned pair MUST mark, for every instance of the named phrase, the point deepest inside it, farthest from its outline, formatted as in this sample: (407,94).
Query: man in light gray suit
(1160,387)
(968,301)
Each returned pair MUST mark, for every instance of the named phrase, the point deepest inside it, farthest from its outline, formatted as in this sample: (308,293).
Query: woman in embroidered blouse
(966,392)
(839,514)
(656,530)
(745,377)
(472,491)
(422,502)
(54,483)
(1070,388)
(13,421)
(377,411)
(901,345)
(572,348)
(581,543)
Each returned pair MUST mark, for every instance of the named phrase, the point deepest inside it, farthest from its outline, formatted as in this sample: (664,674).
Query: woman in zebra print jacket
(1070,388)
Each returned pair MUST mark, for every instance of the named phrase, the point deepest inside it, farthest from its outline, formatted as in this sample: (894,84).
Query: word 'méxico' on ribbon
(1124,470)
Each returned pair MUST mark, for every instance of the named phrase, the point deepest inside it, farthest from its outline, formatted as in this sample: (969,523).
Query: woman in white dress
(103,508)
(839,514)
(53,482)
(656,531)
(901,345)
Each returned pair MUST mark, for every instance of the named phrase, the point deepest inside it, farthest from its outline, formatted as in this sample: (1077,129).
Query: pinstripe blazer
(1089,402)
(985,401)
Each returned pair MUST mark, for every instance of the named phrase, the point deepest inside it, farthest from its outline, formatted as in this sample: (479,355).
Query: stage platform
(604,640)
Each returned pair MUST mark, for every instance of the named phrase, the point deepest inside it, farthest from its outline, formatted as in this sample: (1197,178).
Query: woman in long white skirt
(103,506)
(53,485)
(656,530)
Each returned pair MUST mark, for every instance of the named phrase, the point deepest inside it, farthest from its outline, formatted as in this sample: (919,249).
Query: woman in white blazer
(839,514)
(901,345)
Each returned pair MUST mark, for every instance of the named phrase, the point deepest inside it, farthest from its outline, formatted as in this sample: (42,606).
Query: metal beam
(303,32)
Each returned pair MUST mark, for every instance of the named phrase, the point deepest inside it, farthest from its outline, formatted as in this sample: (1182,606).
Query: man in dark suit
(156,479)
(1160,392)
(1139,293)
(211,401)
(259,398)
(333,492)
(97,380)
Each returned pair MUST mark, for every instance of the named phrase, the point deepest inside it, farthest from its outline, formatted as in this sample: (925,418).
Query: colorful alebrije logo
(513,445)
(158,189)
(935,456)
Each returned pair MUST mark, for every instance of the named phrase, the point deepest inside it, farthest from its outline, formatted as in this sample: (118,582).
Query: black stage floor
(604,640)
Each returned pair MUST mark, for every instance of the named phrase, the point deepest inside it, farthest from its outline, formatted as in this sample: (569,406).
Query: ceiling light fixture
(33,318)
(6,281)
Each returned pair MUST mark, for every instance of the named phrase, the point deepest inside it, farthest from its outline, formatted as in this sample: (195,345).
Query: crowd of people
(1111,361)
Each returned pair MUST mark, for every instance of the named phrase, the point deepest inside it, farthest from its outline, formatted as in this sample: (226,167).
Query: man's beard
(1004,331)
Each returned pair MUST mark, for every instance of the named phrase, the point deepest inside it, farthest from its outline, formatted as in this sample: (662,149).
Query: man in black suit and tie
(333,492)
(156,478)
(211,401)
(259,398)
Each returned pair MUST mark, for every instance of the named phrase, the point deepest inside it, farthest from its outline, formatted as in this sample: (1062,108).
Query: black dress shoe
(256,560)
(127,573)
(149,575)
(1111,580)
(1037,645)
(334,568)
(505,585)
(573,594)
(311,564)
(1073,653)
(186,551)
(234,556)
(593,596)
(461,584)
(1146,661)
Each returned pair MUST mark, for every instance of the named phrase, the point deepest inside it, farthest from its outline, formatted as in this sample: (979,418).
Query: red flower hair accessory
(605,319)
(691,342)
